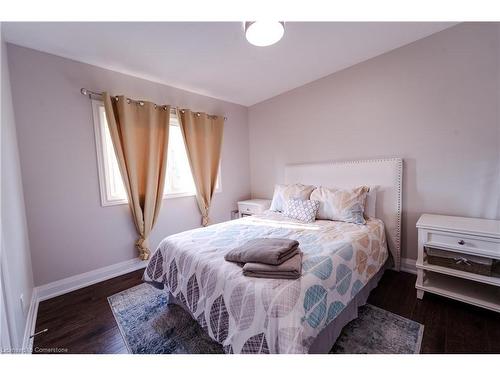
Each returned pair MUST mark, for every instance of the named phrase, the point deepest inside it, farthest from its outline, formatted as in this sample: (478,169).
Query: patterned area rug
(149,325)
(378,331)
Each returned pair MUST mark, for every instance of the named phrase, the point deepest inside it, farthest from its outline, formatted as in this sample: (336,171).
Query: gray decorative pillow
(302,210)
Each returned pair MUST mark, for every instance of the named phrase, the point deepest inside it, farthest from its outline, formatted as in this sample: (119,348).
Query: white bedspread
(250,315)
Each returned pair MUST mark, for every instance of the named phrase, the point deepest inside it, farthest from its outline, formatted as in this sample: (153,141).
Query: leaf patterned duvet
(250,315)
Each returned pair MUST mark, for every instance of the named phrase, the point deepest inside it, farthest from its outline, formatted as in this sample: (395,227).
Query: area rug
(149,325)
(378,331)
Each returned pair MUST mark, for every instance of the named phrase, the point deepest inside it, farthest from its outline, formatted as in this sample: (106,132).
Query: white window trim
(102,165)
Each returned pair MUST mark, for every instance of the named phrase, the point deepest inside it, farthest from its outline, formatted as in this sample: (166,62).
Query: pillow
(302,210)
(283,193)
(371,202)
(341,204)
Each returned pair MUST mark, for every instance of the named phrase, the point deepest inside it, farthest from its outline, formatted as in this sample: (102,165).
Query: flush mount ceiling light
(264,33)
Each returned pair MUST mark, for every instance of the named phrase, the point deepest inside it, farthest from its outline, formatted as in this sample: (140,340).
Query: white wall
(70,232)
(16,274)
(433,102)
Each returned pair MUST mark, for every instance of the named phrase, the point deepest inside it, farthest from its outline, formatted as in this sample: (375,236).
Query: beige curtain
(139,131)
(203,139)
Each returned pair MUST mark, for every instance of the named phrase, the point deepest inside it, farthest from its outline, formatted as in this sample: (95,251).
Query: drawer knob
(461,242)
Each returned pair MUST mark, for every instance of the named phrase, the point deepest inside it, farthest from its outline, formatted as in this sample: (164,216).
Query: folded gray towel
(264,250)
(290,269)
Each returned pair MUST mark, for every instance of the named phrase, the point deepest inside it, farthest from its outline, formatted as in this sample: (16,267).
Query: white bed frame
(386,174)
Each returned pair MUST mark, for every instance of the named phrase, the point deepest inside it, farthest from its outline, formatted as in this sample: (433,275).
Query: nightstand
(253,206)
(466,243)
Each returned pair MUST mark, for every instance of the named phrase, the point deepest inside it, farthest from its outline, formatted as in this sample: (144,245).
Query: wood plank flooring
(82,321)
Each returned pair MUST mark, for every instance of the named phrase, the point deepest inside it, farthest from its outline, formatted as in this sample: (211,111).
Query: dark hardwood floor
(82,321)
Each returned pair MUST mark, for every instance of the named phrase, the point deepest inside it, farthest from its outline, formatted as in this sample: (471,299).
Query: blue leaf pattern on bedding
(308,239)
(334,310)
(343,278)
(346,252)
(356,287)
(314,248)
(320,266)
(315,305)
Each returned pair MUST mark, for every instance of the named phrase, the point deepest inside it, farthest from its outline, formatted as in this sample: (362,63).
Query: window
(178,182)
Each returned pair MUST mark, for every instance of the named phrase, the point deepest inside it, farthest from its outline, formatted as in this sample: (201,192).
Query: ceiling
(214,58)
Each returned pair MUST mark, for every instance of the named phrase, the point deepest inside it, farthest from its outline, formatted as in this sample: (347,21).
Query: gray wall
(70,232)
(433,102)
(16,275)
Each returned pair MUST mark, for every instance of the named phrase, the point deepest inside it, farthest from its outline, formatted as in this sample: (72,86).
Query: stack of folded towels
(273,258)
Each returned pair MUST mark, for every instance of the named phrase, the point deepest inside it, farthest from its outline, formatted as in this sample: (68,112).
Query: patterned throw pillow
(341,204)
(283,193)
(302,210)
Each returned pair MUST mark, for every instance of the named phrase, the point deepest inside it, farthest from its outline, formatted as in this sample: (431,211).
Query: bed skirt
(327,337)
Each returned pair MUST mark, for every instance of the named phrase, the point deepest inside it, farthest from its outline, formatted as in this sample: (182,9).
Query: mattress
(250,315)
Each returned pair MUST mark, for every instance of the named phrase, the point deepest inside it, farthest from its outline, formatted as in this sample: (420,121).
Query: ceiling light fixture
(264,33)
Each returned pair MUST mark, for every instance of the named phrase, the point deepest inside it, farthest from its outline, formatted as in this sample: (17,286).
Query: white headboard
(386,174)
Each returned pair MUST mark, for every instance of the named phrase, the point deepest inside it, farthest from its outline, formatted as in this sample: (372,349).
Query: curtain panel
(139,131)
(202,135)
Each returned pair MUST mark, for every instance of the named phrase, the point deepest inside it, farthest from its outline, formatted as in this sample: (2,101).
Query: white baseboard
(69,284)
(82,280)
(409,265)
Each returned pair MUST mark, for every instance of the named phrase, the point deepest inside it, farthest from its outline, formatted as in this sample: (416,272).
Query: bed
(342,263)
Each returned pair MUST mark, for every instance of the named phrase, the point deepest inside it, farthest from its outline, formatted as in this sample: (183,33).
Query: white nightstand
(253,206)
(467,236)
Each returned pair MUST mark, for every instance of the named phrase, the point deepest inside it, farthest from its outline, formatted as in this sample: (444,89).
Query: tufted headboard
(386,174)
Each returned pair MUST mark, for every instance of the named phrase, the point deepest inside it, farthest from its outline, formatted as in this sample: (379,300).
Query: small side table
(466,236)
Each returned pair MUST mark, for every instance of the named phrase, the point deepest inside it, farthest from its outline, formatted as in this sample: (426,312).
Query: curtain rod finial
(84,91)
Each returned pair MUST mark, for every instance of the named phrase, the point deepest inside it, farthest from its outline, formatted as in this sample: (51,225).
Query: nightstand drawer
(463,242)
(253,206)
(249,209)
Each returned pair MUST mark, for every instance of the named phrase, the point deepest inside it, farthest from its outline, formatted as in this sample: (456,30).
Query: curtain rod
(98,95)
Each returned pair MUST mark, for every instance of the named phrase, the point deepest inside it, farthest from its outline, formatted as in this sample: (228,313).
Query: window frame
(103,163)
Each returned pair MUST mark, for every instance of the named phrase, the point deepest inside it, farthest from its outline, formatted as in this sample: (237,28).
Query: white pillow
(371,202)
(301,210)
(341,204)
(283,193)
